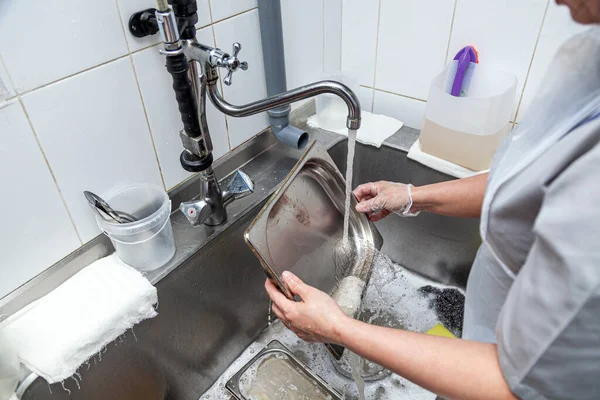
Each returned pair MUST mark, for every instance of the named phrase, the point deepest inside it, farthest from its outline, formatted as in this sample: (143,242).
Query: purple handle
(464,57)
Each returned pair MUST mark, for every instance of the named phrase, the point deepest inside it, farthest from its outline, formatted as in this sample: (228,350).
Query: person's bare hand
(380,199)
(317,318)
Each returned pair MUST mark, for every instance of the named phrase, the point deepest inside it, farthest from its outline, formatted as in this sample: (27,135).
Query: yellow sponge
(440,330)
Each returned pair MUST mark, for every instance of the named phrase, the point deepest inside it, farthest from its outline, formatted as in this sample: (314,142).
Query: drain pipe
(271,32)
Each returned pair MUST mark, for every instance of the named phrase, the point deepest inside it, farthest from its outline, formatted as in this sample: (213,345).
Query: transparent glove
(380,199)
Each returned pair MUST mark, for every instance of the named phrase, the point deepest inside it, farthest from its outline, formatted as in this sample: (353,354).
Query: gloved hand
(380,199)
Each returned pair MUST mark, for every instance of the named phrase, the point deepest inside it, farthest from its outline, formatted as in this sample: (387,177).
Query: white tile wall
(303,47)
(44,42)
(164,117)
(332,35)
(412,44)
(93,139)
(222,9)
(409,111)
(365,96)
(508,46)
(359,39)
(104,113)
(398,46)
(6,88)
(32,238)
(247,85)
(558,27)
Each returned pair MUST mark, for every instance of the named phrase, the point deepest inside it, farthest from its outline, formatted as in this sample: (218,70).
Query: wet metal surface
(300,228)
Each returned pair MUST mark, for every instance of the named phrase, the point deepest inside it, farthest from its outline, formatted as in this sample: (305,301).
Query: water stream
(355,362)
(354,359)
(349,171)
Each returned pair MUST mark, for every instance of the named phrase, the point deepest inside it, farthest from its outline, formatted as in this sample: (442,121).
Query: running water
(354,291)
(349,170)
(358,379)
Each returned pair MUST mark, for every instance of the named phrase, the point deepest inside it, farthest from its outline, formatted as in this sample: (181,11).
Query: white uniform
(535,285)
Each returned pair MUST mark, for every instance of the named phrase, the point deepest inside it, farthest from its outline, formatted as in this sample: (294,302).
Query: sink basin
(214,305)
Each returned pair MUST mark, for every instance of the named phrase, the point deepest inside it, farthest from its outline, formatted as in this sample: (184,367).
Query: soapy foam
(393,298)
(348,294)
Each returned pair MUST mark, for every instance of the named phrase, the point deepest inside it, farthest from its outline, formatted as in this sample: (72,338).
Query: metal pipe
(271,33)
(291,96)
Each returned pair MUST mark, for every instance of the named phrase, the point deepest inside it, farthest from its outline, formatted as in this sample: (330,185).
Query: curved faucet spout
(291,96)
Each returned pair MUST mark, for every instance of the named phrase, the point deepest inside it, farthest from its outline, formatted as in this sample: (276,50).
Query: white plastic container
(468,130)
(332,112)
(146,244)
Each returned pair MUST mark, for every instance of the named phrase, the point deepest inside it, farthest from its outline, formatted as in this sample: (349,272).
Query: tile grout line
(27,92)
(231,16)
(376,54)
(37,140)
(214,35)
(137,83)
(394,93)
(62,197)
(450,33)
(537,41)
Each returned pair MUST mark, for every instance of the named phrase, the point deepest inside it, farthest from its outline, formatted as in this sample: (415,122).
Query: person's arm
(452,368)
(457,198)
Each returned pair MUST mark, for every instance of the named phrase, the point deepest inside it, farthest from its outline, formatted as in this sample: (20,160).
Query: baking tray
(300,227)
(300,230)
(276,349)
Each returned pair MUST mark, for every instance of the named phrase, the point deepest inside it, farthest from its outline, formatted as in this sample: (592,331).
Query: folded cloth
(374,128)
(447,167)
(54,335)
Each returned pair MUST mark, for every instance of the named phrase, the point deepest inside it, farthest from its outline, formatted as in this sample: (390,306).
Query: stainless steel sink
(213,305)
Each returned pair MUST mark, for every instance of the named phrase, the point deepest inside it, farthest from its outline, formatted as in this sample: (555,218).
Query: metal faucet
(193,67)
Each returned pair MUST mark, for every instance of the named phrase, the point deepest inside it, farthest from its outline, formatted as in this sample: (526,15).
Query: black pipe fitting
(192,163)
(143,23)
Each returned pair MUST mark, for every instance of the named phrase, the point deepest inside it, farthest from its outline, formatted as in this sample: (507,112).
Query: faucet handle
(240,185)
(196,211)
(232,63)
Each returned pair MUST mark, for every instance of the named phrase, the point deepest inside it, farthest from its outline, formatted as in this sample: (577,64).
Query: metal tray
(276,349)
(300,227)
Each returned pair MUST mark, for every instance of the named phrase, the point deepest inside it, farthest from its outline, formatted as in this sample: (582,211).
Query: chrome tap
(194,68)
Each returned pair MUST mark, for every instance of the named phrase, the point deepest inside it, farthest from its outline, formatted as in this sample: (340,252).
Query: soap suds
(393,297)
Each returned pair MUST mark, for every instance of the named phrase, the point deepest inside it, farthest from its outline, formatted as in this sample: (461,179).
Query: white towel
(374,128)
(447,167)
(54,335)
